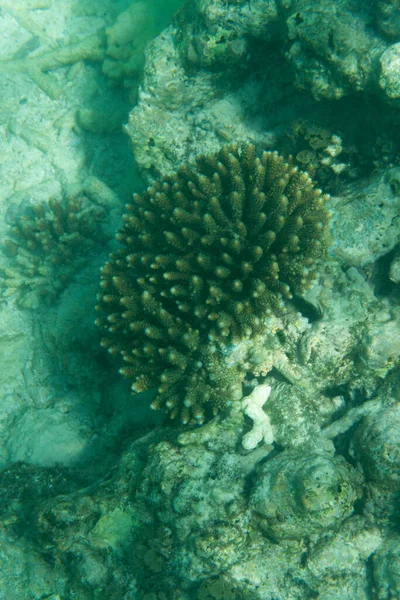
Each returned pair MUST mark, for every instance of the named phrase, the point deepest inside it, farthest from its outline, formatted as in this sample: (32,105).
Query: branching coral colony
(48,246)
(207,255)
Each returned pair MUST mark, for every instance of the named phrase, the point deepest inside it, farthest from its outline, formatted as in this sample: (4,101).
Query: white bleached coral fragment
(252,406)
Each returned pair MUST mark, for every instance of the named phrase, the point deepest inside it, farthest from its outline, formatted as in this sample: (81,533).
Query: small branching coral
(207,254)
(47,247)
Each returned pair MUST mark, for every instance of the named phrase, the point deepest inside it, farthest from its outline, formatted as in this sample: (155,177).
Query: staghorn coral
(47,246)
(207,255)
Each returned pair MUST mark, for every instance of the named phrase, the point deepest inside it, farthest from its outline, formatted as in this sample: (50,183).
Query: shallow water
(292,490)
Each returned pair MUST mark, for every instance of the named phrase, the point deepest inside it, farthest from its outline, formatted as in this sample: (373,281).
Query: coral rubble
(207,256)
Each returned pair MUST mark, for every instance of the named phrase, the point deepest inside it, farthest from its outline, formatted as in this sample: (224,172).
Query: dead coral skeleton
(41,53)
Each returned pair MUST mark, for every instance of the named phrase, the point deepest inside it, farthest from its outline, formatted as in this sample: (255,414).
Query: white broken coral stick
(252,406)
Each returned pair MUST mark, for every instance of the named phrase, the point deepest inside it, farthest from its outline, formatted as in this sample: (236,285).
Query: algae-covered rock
(179,491)
(183,506)
(296,495)
(377,445)
(165,132)
(389,79)
(394,271)
(388,17)
(112,529)
(331,48)
(346,552)
(386,564)
(297,412)
(217,34)
(374,206)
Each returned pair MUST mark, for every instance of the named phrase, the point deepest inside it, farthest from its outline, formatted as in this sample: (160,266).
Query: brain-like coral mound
(295,496)
(207,254)
(377,445)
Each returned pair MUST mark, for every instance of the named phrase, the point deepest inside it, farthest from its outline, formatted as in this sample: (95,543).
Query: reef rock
(297,495)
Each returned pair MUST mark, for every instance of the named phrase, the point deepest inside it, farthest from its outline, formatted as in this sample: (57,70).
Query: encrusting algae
(206,256)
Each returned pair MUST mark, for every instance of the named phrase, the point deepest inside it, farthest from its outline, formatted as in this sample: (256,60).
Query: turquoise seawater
(199,300)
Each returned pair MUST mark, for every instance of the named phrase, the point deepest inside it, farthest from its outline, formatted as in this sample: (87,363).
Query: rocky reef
(234,66)
(188,514)
(236,295)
